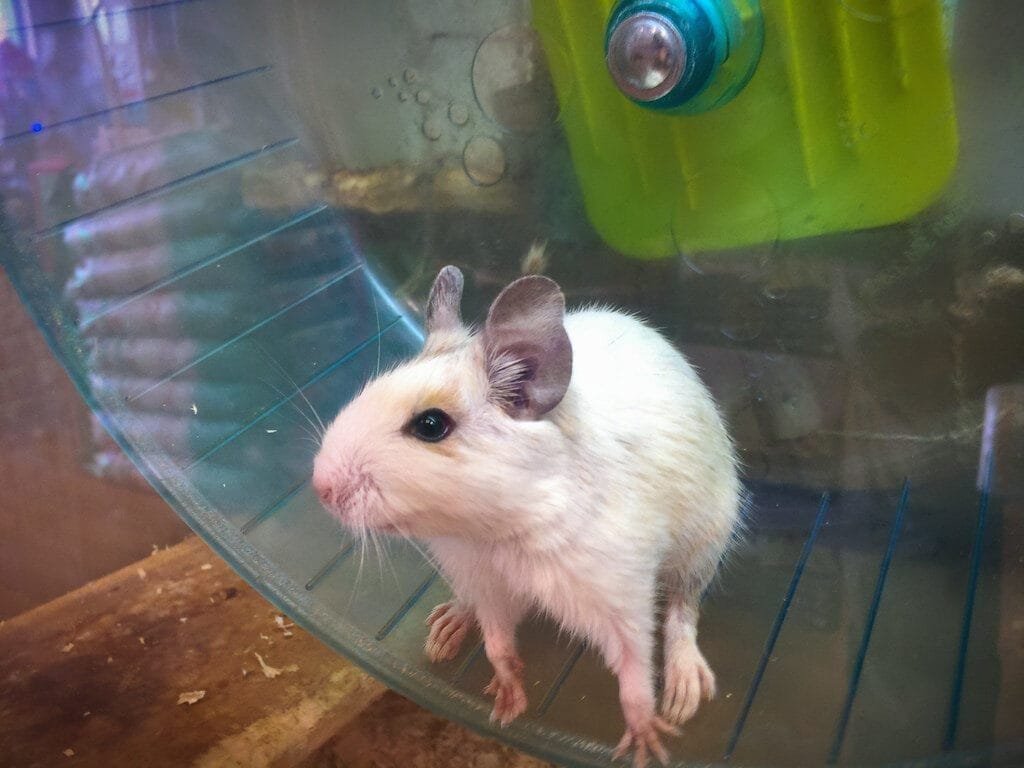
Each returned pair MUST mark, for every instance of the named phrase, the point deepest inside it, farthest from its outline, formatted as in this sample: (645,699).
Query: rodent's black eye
(432,425)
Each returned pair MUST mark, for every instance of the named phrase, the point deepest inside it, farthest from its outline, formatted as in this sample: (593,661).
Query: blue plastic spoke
(250,330)
(98,13)
(869,626)
(780,618)
(260,517)
(201,264)
(330,565)
(407,606)
(191,178)
(949,739)
(563,675)
(39,127)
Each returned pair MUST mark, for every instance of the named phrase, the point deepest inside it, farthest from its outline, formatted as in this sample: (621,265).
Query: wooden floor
(94,678)
(97,675)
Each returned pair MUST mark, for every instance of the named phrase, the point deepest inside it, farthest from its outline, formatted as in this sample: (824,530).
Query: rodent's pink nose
(324,487)
(324,492)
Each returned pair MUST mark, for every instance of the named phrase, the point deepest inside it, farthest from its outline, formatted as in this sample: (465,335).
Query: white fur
(629,483)
(646,480)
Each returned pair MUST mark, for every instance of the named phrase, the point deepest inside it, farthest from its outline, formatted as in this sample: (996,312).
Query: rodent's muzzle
(341,491)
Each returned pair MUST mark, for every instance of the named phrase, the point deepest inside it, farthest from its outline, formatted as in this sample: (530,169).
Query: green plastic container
(847,123)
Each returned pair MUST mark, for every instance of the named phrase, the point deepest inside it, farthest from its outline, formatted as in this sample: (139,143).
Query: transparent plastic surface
(225,216)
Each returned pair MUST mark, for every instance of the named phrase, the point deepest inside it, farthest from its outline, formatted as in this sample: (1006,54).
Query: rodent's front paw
(509,697)
(688,679)
(449,623)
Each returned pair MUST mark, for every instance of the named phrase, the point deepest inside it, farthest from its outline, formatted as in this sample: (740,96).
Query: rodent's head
(454,443)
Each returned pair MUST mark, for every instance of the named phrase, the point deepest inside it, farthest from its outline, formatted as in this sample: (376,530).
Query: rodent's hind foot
(643,735)
(688,679)
(509,695)
(449,624)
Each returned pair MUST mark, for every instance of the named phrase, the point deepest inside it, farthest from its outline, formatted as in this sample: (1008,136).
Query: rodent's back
(629,375)
(640,414)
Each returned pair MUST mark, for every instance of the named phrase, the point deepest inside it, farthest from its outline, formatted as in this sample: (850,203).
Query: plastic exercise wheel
(221,230)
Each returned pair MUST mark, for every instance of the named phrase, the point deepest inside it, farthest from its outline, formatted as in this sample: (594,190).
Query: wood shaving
(159,590)
(283,624)
(268,671)
(385,190)
(205,567)
(264,637)
(190,697)
(402,189)
(69,752)
(86,714)
(142,640)
(183,619)
(273,672)
(141,572)
(110,659)
(67,648)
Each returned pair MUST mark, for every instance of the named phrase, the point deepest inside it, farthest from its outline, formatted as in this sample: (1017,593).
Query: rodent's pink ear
(529,356)
(443,306)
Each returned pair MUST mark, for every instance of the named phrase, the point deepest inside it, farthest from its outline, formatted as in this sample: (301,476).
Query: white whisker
(431,560)
(289,399)
(386,545)
(360,533)
(380,562)
(298,390)
(311,434)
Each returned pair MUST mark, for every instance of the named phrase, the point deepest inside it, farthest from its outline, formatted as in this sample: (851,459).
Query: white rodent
(568,462)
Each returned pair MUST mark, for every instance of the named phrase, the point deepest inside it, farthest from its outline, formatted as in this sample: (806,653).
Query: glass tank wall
(225,214)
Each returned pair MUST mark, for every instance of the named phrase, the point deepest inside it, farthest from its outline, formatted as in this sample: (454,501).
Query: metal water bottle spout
(673,54)
(646,56)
